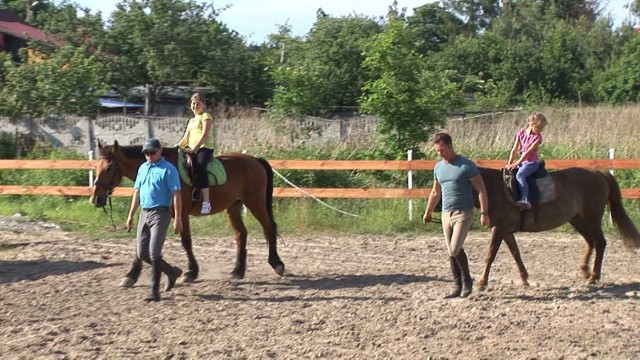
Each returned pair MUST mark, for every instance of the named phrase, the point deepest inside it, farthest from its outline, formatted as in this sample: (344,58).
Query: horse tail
(269,170)
(621,220)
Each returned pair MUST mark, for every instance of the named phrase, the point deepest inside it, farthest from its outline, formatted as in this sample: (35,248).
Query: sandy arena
(353,297)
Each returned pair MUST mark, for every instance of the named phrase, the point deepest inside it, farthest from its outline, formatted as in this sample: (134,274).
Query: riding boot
(172,272)
(156,272)
(455,270)
(467,281)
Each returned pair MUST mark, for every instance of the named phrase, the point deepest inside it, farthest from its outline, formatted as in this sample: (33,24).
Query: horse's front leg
(492,251)
(234,213)
(134,273)
(515,253)
(185,237)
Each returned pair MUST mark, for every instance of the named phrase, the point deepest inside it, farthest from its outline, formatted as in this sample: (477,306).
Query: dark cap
(151,145)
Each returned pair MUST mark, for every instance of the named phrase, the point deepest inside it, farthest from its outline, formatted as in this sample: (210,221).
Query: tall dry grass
(587,132)
(584,132)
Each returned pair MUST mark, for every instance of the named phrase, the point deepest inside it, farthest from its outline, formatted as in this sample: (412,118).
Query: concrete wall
(231,134)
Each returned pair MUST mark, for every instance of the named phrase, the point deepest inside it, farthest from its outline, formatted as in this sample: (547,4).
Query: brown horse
(250,182)
(582,196)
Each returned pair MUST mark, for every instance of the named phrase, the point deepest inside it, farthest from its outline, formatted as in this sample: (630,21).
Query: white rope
(311,196)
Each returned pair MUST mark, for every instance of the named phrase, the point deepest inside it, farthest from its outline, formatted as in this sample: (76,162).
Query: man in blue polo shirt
(157,186)
(455,177)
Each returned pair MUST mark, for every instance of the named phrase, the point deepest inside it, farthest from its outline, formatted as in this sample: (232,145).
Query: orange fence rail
(351,193)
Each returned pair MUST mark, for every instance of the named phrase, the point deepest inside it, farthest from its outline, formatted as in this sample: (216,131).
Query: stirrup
(206,208)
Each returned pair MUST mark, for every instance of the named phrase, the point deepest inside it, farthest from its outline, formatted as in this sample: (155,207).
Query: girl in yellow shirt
(198,142)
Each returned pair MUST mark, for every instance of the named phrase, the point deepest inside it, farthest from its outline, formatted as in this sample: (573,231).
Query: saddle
(215,170)
(541,186)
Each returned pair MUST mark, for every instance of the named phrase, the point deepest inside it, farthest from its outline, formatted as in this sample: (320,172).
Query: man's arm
(135,202)
(434,198)
(177,212)
(478,185)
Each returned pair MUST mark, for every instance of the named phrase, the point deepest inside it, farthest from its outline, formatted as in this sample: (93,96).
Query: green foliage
(66,83)
(409,100)
(620,82)
(7,146)
(324,73)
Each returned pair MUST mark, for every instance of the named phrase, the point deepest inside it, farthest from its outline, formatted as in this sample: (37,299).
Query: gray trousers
(152,231)
(455,226)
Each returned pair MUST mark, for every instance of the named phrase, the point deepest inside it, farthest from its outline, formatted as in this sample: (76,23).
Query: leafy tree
(409,100)
(67,81)
(620,82)
(434,27)
(324,74)
(478,14)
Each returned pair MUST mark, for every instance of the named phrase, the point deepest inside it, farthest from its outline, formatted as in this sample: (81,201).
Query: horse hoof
(525,284)
(279,270)
(237,275)
(127,282)
(187,278)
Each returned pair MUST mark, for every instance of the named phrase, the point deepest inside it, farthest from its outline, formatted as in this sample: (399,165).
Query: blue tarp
(108,103)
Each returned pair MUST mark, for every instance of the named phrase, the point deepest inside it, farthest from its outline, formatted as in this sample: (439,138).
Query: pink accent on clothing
(526,140)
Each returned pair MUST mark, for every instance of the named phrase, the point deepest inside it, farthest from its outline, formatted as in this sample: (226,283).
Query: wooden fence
(354,193)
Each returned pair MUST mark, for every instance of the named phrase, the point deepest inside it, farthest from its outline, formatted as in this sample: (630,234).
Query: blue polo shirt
(455,182)
(157,183)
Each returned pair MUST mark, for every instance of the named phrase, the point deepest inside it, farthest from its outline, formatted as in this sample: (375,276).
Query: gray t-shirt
(455,182)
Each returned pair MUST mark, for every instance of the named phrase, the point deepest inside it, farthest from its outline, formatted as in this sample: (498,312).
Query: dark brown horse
(249,182)
(581,198)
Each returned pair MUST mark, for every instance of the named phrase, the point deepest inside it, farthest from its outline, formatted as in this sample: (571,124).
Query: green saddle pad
(215,169)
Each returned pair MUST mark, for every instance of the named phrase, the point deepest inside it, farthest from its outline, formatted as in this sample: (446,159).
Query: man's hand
(426,217)
(177,225)
(129,224)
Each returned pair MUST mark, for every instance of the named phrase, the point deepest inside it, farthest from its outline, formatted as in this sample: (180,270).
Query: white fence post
(90,153)
(410,184)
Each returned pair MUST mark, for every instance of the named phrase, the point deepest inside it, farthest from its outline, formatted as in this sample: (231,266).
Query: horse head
(109,173)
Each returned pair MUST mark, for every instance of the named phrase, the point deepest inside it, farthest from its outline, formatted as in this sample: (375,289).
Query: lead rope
(110,213)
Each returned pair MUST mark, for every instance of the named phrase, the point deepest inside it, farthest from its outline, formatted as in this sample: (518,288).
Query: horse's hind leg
(134,273)
(600,243)
(234,213)
(579,224)
(270,230)
(515,253)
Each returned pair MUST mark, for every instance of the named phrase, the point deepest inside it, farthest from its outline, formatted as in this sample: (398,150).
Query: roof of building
(13,25)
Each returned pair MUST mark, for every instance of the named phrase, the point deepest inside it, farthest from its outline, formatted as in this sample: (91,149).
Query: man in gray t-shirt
(455,177)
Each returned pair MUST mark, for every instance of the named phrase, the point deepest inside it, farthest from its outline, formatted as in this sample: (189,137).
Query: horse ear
(115,147)
(98,144)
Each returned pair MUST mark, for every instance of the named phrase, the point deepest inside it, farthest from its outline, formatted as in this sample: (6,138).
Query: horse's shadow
(16,271)
(331,283)
(585,293)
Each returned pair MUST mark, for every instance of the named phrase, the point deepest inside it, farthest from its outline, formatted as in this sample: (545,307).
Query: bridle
(109,187)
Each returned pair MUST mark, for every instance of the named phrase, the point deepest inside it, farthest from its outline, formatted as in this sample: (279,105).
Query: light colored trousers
(455,226)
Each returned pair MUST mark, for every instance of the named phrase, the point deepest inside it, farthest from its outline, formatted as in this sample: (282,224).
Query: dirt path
(358,297)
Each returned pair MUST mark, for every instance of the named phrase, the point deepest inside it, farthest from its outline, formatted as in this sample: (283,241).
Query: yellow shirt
(196,129)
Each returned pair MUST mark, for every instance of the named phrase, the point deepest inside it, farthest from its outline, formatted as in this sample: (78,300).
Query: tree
(67,81)
(409,100)
(478,14)
(434,28)
(323,74)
